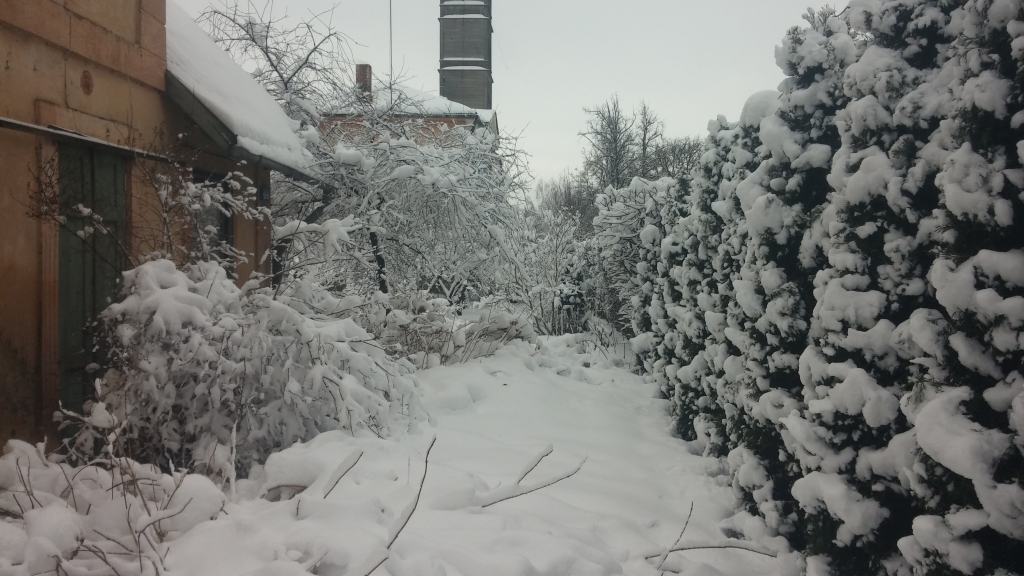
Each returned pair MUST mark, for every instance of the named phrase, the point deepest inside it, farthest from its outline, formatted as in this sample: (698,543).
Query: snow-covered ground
(491,418)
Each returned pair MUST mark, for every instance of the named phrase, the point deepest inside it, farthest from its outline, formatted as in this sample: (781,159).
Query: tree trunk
(378,256)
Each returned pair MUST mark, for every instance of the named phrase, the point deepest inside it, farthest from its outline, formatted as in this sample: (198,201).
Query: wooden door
(90,264)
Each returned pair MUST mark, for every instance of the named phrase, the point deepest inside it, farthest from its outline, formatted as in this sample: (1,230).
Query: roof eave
(221,135)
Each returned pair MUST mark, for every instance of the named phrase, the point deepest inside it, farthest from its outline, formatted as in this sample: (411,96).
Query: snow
(195,500)
(972,185)
(964,447)
(410,101)
(860,516)
(942,535)
(857,393)
(503,425)
(989,92)
(759,106)
(228,91)
(58,524)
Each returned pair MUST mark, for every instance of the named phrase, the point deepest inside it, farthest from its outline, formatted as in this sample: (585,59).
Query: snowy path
(630,499)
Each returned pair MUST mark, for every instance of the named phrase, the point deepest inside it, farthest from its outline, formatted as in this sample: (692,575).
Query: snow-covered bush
(646,302)
(434,210)
(429,332)
(588,273)
(544,270)
(628,230)
(626,238)
(198,365)
(113,517)
(701,255)
(872,303)
(430,203)
(660,345)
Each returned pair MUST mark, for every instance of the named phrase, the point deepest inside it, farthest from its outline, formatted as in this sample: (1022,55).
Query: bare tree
(612,140)
(650,132)
(677,157)
(620,147)
(571,194)
(303,63)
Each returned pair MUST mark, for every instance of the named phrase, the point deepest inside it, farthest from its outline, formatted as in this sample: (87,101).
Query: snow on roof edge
(230,93)
(423,104)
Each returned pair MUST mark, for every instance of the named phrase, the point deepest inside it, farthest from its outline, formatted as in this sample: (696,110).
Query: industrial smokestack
(465,71)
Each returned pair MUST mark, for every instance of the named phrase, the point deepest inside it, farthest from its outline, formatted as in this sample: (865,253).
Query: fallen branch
(514,491)
(347,464)
(664,555)
(533,463)
(728,544)
(403,520)
(407,513)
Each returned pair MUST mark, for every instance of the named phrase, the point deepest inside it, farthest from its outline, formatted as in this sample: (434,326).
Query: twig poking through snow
(728,544)
(347,464)
(664,555)
(533,463)
(515,490)
(406,515)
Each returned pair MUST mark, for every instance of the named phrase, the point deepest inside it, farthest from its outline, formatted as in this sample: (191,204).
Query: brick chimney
(364,78)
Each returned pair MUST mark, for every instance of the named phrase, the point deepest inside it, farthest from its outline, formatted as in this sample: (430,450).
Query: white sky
(691,60)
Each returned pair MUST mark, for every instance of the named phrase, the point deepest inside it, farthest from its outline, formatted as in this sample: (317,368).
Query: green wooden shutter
(90,268)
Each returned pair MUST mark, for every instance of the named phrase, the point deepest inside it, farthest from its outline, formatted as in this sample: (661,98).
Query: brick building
(426,116)
(92,92)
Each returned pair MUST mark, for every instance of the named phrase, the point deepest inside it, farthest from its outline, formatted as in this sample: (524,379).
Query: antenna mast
(391,54)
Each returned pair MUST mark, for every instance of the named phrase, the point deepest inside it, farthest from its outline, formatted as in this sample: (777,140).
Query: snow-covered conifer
(629,227)
(697,291)
(969,429)
(873,314)
(780,200)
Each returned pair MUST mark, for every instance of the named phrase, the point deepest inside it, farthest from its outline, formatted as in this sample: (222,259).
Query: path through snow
(490,417)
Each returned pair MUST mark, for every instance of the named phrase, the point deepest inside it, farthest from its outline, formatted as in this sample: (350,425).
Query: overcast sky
(690,60)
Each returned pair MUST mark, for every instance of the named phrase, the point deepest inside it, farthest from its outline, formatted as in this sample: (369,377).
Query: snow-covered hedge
(839,306)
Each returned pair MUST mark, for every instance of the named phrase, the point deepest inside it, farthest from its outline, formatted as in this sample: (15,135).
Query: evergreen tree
(666,295)
(873,307)
(969,426)
(698,289)
(769,317)
(647,302)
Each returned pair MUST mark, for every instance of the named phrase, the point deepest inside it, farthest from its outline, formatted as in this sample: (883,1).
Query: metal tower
(466,52)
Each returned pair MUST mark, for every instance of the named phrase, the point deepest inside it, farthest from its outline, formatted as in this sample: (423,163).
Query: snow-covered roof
(231,94)
(418,103)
